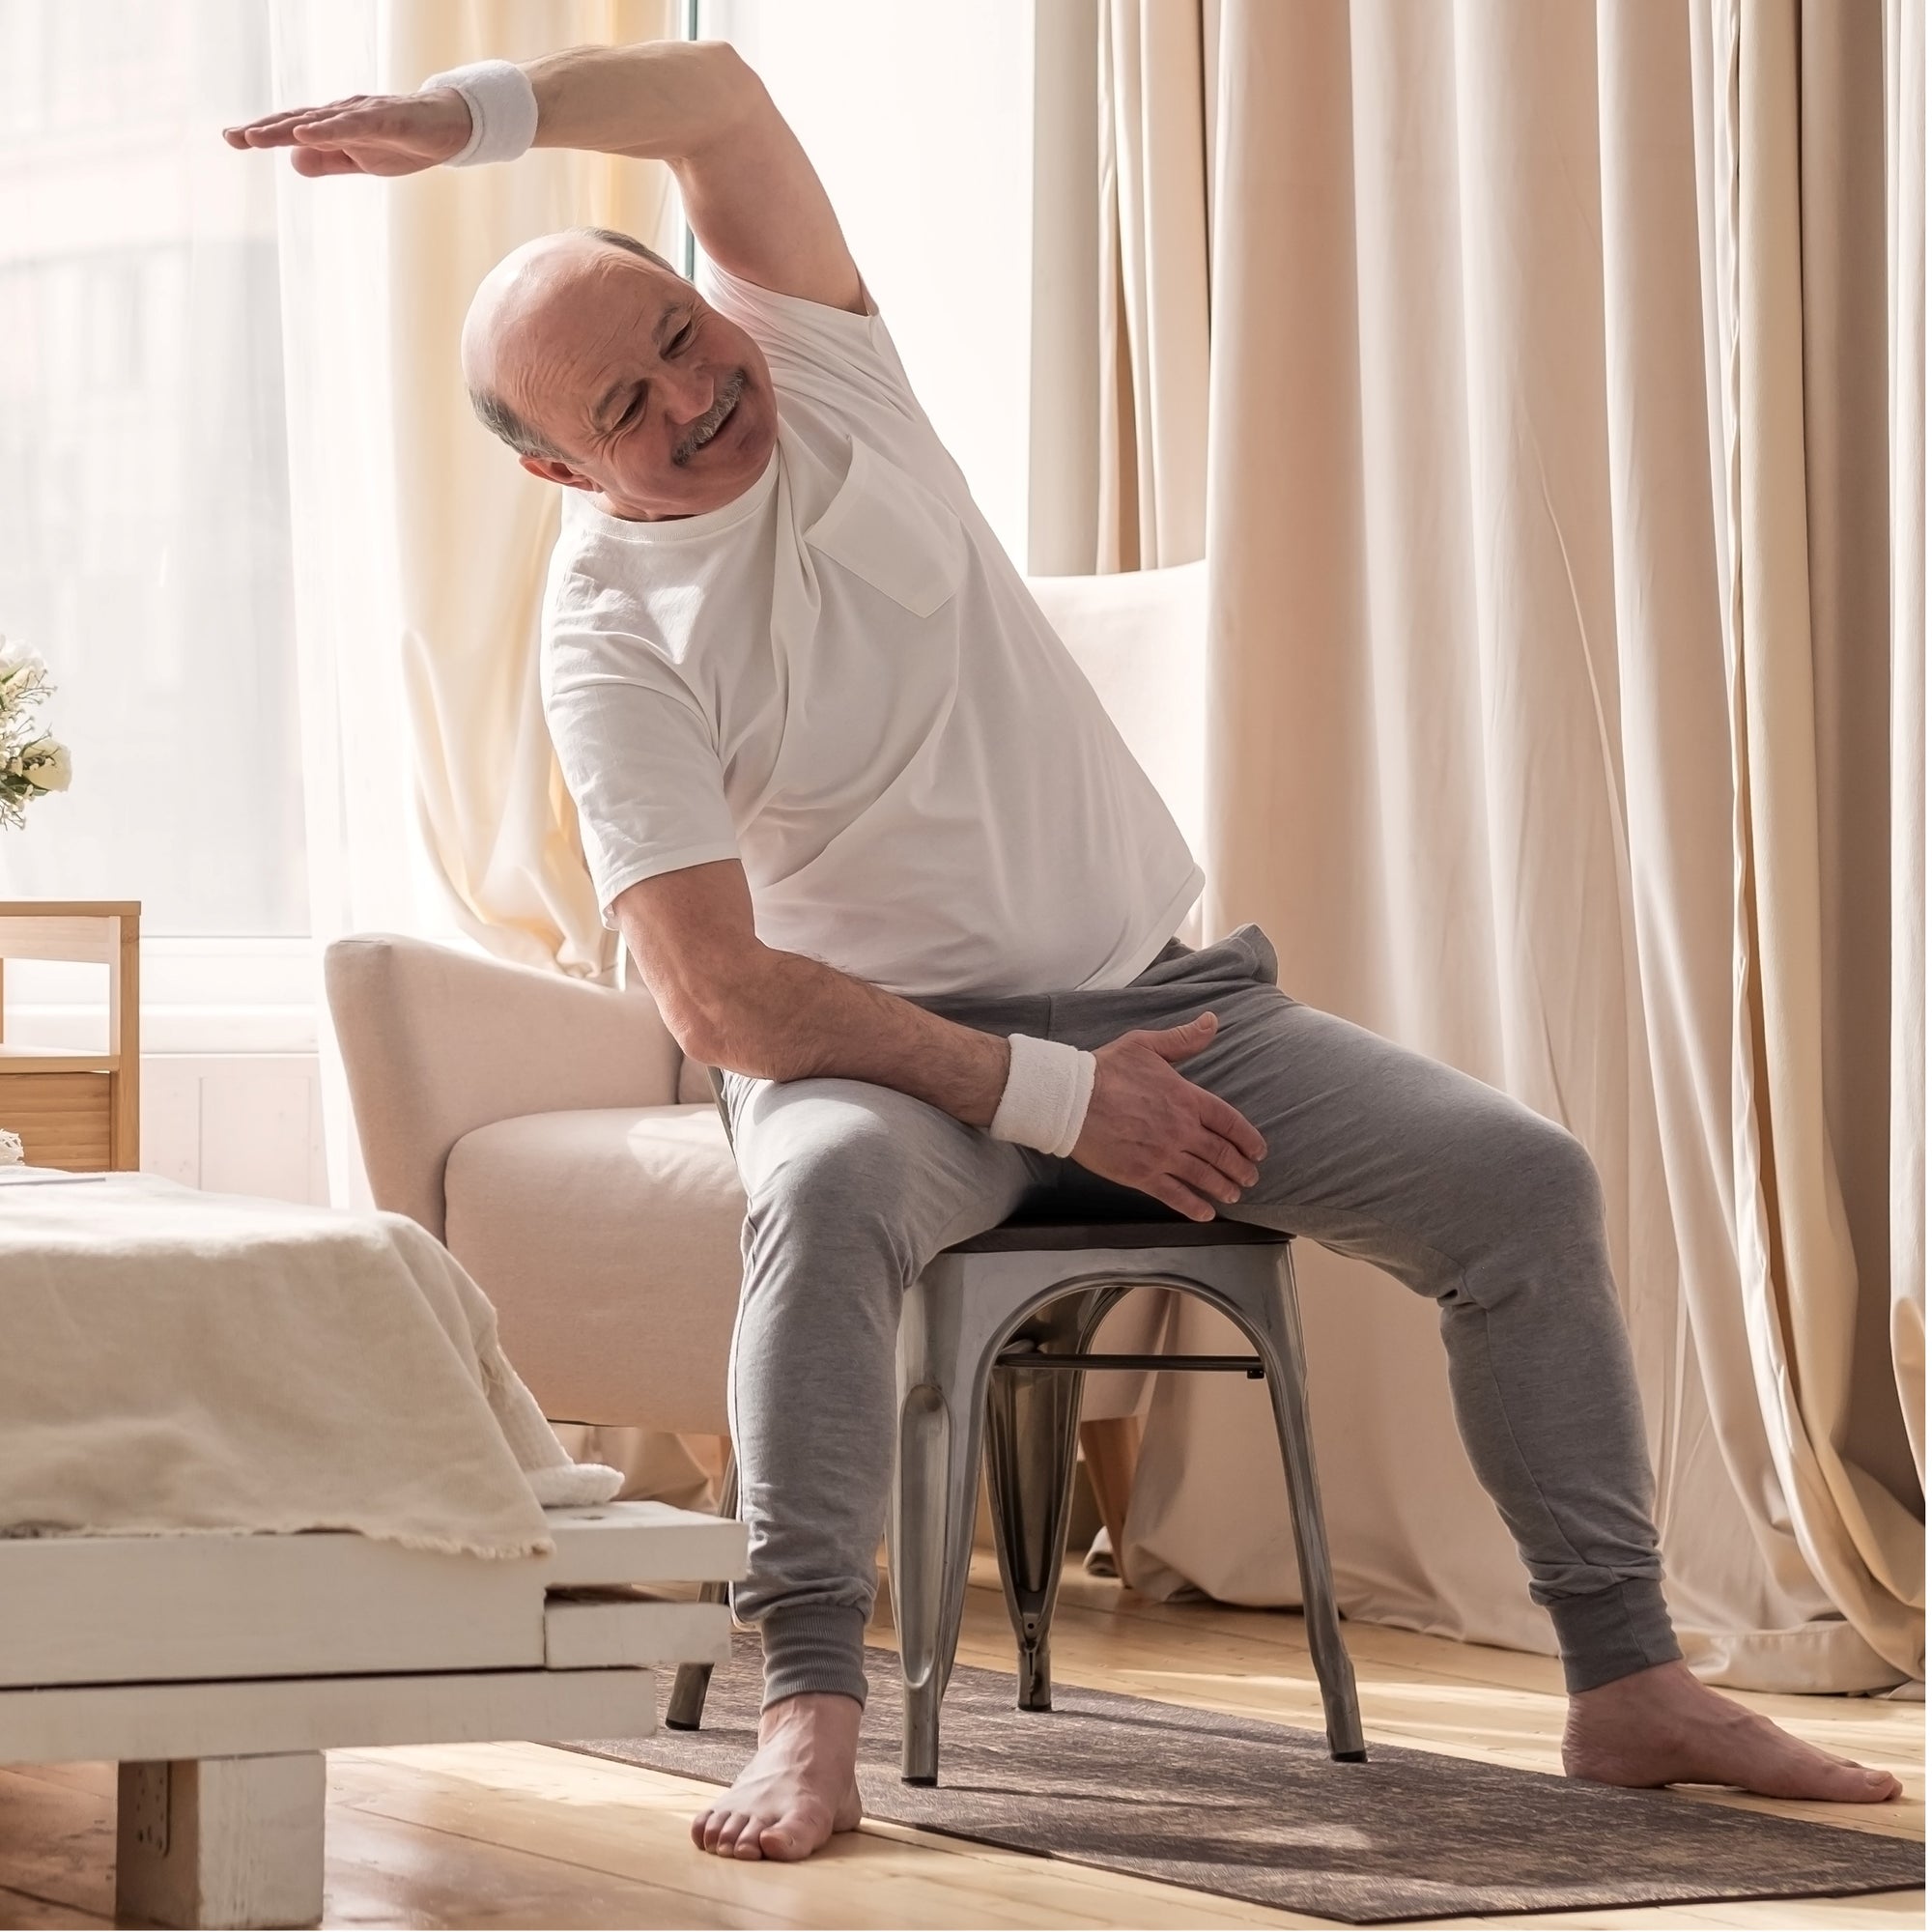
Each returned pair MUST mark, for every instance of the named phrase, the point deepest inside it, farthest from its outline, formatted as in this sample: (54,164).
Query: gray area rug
(1254,1810)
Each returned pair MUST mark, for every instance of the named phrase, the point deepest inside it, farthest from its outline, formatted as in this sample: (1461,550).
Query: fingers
(1203,1177)
(326,129)
(1232,1125)
(315,162)
(276,131)
(1182,1042)
(1227,1160)
(1181,1199)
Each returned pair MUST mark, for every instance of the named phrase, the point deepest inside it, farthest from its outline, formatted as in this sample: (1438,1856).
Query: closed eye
(681,341)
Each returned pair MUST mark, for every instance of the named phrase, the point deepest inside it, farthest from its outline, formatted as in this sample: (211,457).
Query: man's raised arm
(751,197)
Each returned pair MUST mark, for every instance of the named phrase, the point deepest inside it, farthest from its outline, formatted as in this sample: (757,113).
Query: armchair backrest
(436,1043)
(1141,637)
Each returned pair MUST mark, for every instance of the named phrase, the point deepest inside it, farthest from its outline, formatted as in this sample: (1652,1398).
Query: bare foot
(1661,1726)
(800,1786)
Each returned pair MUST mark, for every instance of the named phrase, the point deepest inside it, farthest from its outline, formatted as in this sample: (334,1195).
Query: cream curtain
(1812,654)
(474,532)
(1905,60)
(1539,503)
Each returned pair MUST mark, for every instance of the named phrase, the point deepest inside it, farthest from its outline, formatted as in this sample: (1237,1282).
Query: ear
(553,469)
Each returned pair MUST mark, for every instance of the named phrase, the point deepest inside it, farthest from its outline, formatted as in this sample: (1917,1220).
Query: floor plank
(495,1835)
(27,1912)
(56,1850)
(617,1819)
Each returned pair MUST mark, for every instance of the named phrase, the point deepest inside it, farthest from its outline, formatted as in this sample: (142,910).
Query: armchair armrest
(436,1043)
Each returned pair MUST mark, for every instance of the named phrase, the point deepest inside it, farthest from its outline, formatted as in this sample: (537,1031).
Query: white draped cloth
(178,1362)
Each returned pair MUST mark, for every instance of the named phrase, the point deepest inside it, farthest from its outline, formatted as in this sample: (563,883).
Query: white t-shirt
(839,679)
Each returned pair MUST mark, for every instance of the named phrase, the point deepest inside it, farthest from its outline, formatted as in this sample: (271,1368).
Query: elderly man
(880,857)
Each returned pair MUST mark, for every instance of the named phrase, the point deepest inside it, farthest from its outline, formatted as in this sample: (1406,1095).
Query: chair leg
(1032,1425)
(934,1505)
(1288,1384)
(685,1709)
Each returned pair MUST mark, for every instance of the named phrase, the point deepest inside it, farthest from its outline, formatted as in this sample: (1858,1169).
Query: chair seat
(1021,1235)
(608,1239)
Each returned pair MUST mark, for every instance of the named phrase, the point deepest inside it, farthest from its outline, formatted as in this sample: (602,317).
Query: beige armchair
(534,1125)
(551,1133)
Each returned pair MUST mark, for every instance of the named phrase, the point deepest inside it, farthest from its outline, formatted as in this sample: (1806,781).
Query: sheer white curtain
(434,806)
(1156,60)
(143,511)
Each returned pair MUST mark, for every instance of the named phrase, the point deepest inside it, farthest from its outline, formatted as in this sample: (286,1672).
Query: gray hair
(498,417)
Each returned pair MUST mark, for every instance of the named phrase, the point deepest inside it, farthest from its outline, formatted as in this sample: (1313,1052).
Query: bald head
(514,314)
(606,371)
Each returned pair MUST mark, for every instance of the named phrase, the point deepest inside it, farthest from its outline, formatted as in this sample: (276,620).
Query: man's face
(655,402)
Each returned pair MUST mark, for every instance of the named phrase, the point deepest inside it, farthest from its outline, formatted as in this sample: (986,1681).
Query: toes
(1850,1783)
(789,1840)
(738,1828)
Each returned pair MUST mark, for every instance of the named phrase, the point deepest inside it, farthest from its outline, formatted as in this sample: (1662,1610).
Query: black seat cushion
(1030,1233)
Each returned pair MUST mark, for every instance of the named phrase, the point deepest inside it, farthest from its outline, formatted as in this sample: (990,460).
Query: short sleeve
(814,350)
(640,759)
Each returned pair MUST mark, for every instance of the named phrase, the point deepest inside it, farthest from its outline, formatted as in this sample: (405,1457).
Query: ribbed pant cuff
(814,1647)
(1612,1633)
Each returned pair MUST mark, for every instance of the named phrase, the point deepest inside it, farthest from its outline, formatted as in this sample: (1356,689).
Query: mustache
(702,430)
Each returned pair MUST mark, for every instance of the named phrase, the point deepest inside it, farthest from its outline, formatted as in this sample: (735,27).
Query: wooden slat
(129,1722)
(118,1610)
(642,1542)
(123,1035)
(61,1118)
(70,908)
(607,1630)
(87,937)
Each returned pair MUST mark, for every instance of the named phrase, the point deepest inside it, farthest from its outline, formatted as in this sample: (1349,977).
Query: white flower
(21,670)
(47,765)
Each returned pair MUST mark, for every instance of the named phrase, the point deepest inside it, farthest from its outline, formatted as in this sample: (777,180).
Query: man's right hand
(1149,1127)
(365,134)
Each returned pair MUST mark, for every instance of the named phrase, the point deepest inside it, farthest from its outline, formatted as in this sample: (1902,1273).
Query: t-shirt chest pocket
(893,531)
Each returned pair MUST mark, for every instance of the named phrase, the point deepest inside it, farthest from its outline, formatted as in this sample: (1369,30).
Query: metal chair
(993,1344)
(994,1336)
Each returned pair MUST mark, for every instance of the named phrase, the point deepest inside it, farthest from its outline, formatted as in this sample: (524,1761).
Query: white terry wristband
(502,110)
(1048,1086)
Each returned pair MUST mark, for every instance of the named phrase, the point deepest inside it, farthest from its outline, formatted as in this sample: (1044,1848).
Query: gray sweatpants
(1459,1191)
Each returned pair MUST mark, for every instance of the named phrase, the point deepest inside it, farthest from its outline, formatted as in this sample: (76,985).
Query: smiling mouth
(714,418)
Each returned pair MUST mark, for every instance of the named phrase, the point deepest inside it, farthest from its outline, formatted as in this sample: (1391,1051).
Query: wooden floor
(522,1835)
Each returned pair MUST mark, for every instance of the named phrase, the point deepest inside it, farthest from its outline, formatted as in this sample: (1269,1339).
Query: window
(144,505)
(918,119)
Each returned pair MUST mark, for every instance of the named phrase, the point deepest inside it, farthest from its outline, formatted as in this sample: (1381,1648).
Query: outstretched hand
(365,134)
(1149,1127)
